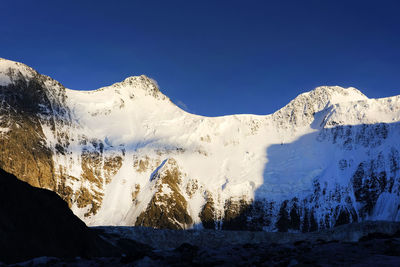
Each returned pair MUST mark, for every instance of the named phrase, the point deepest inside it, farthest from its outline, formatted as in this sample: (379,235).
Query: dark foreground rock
(37,222)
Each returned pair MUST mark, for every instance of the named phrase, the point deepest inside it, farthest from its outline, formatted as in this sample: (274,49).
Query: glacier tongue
(328,157)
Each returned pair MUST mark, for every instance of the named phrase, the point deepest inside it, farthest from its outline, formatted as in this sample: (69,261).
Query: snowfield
(318,140)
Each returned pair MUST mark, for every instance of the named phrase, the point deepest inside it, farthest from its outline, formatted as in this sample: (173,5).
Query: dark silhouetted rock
(37,222)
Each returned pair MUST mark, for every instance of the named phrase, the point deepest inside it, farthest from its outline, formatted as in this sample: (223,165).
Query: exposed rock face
(23,143)
(168,207)
(126,155)
(208,214)
(36,222)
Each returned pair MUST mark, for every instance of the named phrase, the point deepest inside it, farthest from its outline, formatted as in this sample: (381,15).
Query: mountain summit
(126,155)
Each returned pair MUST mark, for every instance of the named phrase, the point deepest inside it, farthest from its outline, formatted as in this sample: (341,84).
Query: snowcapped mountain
(126,155)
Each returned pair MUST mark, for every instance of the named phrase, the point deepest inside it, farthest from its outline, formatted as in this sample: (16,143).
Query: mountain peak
(134,86)
(11,71)
(301,110)
(324,96)
(337,94)
(139,78)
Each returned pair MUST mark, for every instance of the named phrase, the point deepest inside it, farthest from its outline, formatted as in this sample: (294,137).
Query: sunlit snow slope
(126,155)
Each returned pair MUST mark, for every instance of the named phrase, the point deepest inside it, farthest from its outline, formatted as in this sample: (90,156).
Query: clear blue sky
(217,57)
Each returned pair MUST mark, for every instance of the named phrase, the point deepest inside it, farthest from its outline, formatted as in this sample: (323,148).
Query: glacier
(125,154)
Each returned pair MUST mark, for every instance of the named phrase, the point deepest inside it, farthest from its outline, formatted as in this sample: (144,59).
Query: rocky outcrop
(208,215)
(24,151)
(168,207)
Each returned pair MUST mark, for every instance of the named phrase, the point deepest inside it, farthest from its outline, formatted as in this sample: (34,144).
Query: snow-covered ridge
(10,70)
(118,136)
(134,86)
(141,86)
